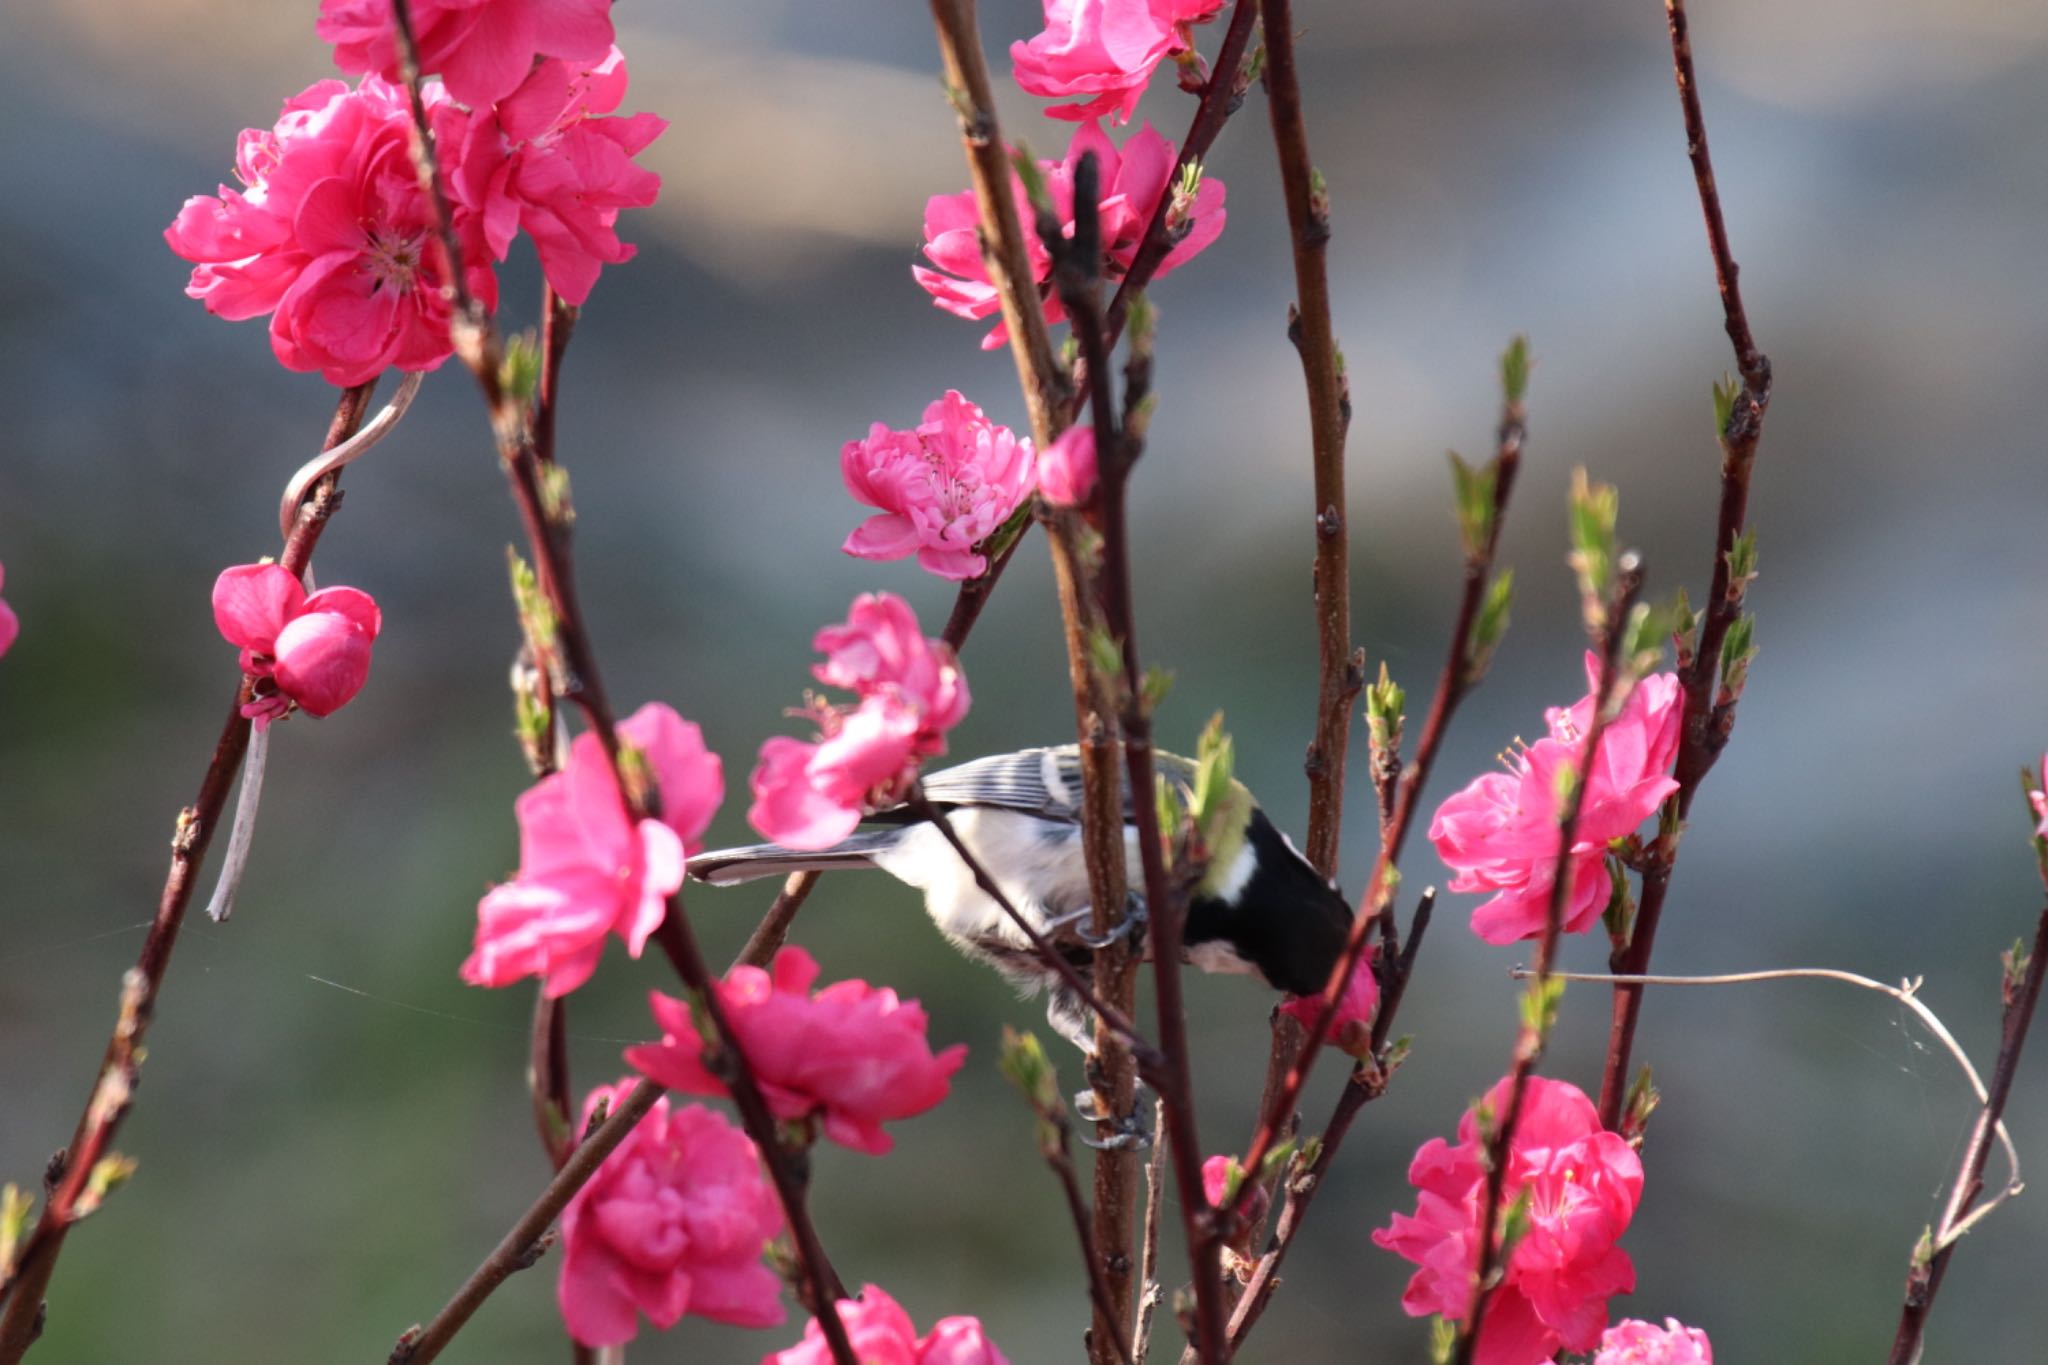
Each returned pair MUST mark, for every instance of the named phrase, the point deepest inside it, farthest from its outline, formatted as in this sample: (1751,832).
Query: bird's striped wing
(1042,782)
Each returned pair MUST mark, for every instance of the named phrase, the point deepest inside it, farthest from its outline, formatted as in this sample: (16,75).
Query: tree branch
(70,1197)
(1709,716)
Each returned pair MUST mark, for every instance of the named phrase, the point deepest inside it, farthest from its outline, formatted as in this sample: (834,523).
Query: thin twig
(1708,718)
(1339,674)
(540,494)
(114,1082)
(522,1245)
(1931,1257)
(1149,1291)
(1608,691)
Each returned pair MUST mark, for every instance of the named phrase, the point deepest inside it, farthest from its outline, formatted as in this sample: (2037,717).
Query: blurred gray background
(333,1129)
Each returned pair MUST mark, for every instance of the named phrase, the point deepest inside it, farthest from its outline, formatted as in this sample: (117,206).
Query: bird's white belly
(1037,864)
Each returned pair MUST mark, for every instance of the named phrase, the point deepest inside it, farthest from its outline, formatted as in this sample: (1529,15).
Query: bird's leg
(1133,922)
(1132,1132)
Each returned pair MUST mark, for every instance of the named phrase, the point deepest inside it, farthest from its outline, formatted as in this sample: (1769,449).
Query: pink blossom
(1132,182)
(943,487)
(1104,48)
(312,651)
(853,1055)
(883,1334)
(1067,469)
(1501,831)
(546,160)
(10,624)
(1216,1173)
(1635,1342)
(1583,1184)
(1351,1030)
(911,691)
(674,1222)
(482,49)
(332,236)
(586,869)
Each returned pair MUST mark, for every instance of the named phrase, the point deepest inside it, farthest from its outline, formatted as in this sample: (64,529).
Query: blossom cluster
(1582,1184)
(883,1334)
(331,233)
(909,691)
(1501,832)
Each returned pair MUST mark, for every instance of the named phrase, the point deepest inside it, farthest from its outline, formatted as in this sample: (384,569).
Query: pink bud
(323,660)
(1066,469)
(10,624)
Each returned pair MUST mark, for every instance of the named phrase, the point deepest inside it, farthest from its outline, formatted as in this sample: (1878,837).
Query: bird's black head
(1280,916)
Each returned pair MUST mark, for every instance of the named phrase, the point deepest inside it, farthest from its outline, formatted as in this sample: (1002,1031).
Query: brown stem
(1533,1034)
(1055,1144)
(1461,672)
(1708,720)
(557,323)
(547,1078)
(1340,676)
(541,498)
(524,1244)
(118,1073)
(1923,1279)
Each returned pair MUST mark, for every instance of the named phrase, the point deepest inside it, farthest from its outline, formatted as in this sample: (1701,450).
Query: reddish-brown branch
(524,1243)
(1533,1034)
(1339,675)
(1708,718)
(547,1078)
(541,498)
(1923,1280)
(115,1081)
(1376,911)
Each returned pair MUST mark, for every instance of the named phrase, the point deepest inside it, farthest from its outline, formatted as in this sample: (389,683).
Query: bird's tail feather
(725,866)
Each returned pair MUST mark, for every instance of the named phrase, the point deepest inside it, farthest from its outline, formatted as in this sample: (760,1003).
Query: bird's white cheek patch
(1239,875)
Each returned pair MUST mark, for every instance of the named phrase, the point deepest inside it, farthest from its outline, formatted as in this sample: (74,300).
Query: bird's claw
(1133,922)
(1130,1135)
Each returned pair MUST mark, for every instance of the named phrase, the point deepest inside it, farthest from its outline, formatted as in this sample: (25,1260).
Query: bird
(1260,909)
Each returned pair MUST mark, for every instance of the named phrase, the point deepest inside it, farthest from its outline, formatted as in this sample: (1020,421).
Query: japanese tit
(1260,909)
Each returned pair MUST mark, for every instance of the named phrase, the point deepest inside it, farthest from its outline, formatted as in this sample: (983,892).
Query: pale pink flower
(1067,468)
(313,651)
(1583,1183)
(1635,1342)
(546,159)
(10,624)
(332,236)
(883,1334)
(1130,183)
(853,1055)
(942,487)
(1351,1031)
(911,691)
(586,869)
(482,49)
(1501,831)
(674,1222)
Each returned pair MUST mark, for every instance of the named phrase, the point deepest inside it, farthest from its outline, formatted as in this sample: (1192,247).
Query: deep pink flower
(1584,1184)
(316,650)
(674,1222)
(547,160)
(10,624)
(586,870)
(911,691)
(883,1334)
(482,49)
(1067,469)
(1501,832)
(333,238)
(1351,1030)
(1101,48)
(942,487)
(1216,1183)
(1131,182)
(853,1054)
(1635,1342)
